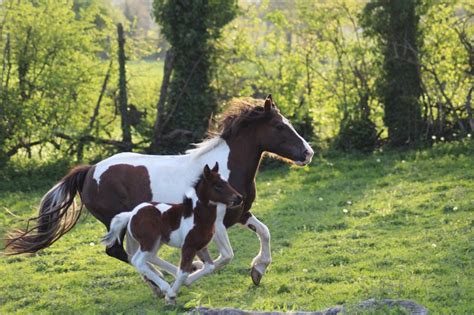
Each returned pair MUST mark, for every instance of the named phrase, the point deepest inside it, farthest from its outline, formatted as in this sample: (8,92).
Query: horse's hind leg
(116,250)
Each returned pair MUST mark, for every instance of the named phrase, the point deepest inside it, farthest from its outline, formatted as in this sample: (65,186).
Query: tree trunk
(123,101)
(160,106)
(87,131)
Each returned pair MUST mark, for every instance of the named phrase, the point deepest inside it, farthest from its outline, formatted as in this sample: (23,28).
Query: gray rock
(368,305)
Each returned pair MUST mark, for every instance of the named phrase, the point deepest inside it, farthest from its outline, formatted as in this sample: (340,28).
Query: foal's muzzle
(236,201)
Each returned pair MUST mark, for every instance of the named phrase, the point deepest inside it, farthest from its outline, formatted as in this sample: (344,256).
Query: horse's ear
(207,172)
(216,167)
(268,103)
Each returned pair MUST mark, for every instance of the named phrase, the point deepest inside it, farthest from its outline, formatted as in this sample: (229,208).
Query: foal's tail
(116,227)
(56,216)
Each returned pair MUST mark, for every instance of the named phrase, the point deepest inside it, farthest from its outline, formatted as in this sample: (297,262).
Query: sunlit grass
(345,229)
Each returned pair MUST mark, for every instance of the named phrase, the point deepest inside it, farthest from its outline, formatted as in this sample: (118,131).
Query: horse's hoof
(197,265)
(256,276)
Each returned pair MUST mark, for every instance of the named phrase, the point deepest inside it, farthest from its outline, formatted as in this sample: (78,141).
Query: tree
(191,28)
(49,66)
(123,98)
(395,25)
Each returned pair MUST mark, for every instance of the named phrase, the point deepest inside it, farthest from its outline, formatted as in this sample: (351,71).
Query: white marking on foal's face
(310,153)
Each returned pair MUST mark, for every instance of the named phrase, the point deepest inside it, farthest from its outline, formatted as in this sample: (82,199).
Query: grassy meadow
(344,229)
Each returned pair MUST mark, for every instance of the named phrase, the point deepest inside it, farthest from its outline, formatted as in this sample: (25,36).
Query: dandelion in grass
(320,199)
(455,208)
(91,243)
(349,202)
(433,137)
(378,160)
(345,210)
(442,138)
(468,135)
(433,245)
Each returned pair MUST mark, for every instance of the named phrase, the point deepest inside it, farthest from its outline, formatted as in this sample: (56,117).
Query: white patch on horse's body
(204,146)
(172,175)
(178,236)
(163,207)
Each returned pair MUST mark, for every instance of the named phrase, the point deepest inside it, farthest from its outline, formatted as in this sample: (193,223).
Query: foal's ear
(216,167)
(269,103)
(207,172)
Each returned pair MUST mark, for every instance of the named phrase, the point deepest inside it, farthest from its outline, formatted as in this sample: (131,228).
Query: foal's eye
(280,127)
(218,188)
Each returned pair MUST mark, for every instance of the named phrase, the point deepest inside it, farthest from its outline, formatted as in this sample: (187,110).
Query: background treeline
(86,78)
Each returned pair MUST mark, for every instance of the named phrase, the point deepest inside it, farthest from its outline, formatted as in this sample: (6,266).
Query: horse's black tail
(56,216)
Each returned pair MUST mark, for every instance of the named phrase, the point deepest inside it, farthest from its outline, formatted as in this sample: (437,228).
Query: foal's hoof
(170,300)
(197,265)
(256,276)
(154,288)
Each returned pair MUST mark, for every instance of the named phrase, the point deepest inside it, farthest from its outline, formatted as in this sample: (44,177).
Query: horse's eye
(280,127)
(218,188)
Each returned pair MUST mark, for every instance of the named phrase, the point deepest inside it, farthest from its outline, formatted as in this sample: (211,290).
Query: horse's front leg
(221,239)
(264,257)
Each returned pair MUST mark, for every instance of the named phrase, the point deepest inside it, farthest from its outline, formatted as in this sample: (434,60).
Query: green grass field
(344,229)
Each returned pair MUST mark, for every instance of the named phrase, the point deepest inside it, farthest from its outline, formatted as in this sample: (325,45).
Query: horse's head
(276,135)
(217,190)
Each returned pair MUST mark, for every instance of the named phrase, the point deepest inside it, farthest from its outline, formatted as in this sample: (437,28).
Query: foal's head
(213,188)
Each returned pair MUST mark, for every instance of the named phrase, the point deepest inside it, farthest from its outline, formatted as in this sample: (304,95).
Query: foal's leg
(264,257)
(140,261)
(207,268)
(132,247)
(163,264)
(186,266)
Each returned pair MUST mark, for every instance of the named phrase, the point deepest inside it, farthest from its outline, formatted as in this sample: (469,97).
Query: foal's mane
(239,114)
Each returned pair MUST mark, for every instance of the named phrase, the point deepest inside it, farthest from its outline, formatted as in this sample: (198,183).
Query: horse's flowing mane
(239,113)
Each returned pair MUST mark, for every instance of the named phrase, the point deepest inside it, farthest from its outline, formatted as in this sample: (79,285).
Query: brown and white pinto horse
(189,226)
(125,180)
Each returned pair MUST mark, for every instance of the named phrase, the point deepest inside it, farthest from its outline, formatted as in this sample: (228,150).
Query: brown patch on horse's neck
(244,158)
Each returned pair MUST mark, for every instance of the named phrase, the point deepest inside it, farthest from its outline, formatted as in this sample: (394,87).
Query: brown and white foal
(189,226)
